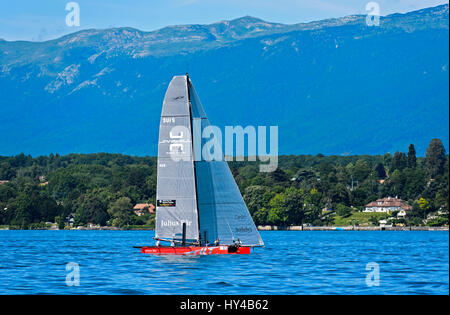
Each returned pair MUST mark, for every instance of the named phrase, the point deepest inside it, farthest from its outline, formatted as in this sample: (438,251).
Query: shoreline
(273,228)
(352,228)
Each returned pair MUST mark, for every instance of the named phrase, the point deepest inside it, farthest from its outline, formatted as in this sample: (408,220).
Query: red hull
(192,250)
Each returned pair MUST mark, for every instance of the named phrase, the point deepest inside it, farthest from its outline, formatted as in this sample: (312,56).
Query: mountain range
(335,86)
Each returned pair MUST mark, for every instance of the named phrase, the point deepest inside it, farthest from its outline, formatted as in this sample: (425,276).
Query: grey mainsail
(176,196)
(192,188)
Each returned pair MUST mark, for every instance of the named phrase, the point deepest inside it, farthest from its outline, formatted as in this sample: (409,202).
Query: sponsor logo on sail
(166,203)
(171,223)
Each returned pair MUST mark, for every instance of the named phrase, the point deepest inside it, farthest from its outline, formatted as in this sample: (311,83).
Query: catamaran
(199,208)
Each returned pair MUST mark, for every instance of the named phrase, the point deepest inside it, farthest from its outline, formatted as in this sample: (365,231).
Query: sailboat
(199,208)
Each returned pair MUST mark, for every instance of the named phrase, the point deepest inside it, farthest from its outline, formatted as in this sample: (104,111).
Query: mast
(193,157)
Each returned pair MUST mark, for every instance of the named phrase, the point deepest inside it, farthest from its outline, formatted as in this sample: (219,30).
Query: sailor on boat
(234,247)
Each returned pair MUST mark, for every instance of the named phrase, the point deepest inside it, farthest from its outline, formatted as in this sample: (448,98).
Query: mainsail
(192,188)
(175,193)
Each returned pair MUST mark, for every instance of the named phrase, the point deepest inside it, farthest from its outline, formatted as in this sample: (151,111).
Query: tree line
(102,188)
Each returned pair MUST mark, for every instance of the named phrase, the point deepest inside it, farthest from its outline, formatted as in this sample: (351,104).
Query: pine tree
(399,161)
(412,161)
(435,158)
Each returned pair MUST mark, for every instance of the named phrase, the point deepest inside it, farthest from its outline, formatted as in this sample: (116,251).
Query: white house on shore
(388,204)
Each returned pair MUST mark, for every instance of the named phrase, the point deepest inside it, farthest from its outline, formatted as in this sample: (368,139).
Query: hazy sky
(46,19)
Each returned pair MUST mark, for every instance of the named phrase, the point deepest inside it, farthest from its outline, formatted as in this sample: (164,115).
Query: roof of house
(389,202)
(142,206)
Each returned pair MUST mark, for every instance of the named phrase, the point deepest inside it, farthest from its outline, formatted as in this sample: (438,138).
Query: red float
(195,250)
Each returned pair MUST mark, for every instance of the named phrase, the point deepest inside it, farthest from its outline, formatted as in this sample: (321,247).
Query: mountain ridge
(117,78)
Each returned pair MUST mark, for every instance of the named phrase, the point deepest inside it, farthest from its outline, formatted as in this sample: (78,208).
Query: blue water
(332,262)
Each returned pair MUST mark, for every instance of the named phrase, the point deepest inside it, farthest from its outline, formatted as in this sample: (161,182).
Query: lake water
(293,262)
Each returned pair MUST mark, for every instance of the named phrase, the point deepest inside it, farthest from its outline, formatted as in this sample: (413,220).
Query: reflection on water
(331,262)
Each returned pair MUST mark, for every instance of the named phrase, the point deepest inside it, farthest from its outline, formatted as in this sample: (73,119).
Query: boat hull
(193,250)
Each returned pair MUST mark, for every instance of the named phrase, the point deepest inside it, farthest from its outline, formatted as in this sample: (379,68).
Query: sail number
(168,120)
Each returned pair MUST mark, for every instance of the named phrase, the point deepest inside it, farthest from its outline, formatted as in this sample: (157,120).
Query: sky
(38,20)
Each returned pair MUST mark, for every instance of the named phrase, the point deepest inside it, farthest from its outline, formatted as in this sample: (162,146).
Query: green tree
(261,216)
(7,192)
(415,221)
(439,221)
(399,161)
(293,206)
(380,171)
(424,204)
(387,160)
(122,211)
(277,214)
(417,212)
(374,220)
(6,171)
(312,206)
(25,213)
(415,182)
(339,194)
(254,198)
(361,170)
(276,177)
(92,207)
(343,210)
(435,158)
(412,160)
(60,221)
(46,207)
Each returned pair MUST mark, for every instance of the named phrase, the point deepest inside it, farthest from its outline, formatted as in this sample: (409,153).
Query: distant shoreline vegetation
(103,190)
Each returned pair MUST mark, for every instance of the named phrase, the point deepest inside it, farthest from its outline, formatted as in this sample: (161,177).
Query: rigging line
(232,235)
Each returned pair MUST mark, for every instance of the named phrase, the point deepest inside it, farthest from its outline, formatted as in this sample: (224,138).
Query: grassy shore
(359,218)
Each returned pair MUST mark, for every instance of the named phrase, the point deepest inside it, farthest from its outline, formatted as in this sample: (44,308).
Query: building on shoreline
(388,204)
(143,208)
(70,219)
